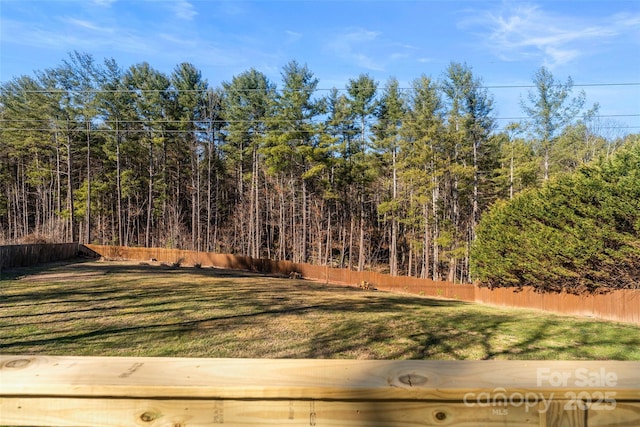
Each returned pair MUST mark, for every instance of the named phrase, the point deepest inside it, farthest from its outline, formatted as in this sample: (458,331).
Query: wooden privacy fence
(100,391)
(619,305)
(26,255)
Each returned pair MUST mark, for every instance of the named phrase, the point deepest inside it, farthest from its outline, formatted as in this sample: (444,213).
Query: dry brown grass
(129,309)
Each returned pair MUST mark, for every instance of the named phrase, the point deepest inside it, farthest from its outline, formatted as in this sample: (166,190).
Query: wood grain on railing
(101,391)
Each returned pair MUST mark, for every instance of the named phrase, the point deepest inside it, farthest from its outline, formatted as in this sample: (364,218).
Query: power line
(559,85)
(266,121)
(207,90)
(205,131)
(600,116)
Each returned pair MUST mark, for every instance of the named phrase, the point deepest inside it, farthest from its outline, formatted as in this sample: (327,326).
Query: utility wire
(173,90)
(204,131)
(266,121)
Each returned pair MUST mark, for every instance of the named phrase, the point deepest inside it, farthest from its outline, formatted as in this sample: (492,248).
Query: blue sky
(505,42)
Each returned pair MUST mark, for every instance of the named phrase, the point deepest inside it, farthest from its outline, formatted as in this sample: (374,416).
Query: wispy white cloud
(358,35)
(351,45)
(79,34)
(523,31)
(627,20)
(92,30)
(371,50)
(232,8)
(103,3)
(183,9)
(292,36)
(398,56)
(84,24)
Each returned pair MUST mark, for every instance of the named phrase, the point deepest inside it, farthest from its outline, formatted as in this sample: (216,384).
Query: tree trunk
(255,234)
(24,199)
(195,197)
(351,226)
(70,198)
(455,208)
(427,242)
(294,225)
(361,254)
(147,235)
(17,222)
(58,177)
(209,198)
(282,228)
(393,249)
(303,238)
(216,212)
(88,216)
(39,200)
(10,214)
(119,187)
(435,196)
(328,250)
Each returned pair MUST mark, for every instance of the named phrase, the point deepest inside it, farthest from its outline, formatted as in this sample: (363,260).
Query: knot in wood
(17,363)
(413,379)
(149,416)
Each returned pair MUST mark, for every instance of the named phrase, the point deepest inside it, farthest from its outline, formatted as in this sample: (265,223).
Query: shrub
(578,233)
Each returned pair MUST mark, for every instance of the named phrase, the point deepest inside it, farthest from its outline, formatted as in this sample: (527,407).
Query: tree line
(365,176)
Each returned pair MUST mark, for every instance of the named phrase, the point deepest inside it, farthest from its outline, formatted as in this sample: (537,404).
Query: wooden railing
(99,391)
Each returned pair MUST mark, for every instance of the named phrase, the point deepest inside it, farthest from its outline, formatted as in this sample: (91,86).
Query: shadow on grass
(143,310)
(76,274)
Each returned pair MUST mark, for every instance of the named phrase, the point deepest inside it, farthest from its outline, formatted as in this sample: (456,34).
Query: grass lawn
(128,309)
